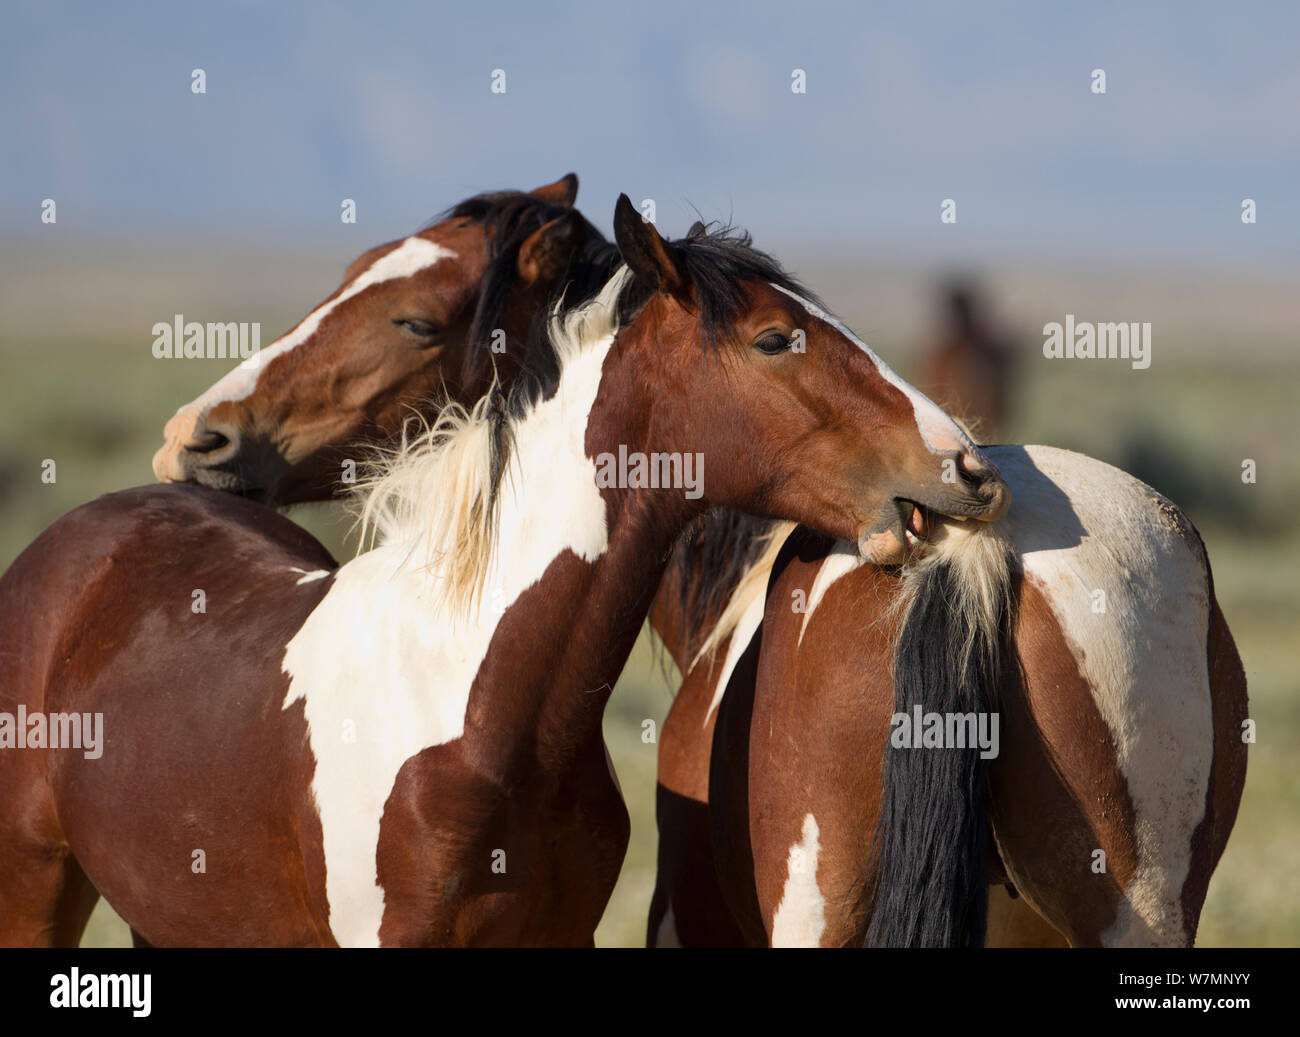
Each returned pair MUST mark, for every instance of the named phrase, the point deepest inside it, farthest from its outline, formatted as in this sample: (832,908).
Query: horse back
(121,613)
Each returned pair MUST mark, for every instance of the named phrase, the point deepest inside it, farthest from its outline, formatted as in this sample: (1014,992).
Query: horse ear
(650,258)
(698,230)
(546,252)
(562,193)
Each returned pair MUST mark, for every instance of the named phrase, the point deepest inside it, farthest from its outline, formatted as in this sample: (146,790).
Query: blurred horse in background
(969,370)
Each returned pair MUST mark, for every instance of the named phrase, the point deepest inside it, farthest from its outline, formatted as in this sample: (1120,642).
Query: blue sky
(686,103)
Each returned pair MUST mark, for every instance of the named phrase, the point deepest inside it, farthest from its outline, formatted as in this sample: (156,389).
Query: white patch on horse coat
(378,656)
(411,256)
(1080,525)
(752,582)
(746,627)
(309,577)
(843,558)
(939,431)
(800,918)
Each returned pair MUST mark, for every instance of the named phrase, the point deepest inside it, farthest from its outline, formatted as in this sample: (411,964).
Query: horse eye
(771,345)
(418,328)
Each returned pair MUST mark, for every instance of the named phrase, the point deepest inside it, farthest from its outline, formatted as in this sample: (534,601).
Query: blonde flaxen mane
(439,490)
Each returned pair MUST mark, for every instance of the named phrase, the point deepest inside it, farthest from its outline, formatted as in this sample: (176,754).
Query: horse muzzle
(198,452)
(907,521)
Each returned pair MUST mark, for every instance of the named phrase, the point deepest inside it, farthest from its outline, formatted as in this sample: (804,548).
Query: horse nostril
(984,483)
(981,478)
(205,441)
(973,465)
(974,472)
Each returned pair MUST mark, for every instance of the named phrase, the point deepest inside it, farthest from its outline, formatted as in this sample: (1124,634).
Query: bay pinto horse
(411,325)
(1121,700)
(407,749)
(408,328)
(715,579)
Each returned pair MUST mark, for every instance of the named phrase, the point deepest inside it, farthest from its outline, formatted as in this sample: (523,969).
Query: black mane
(508,218)
(715,261)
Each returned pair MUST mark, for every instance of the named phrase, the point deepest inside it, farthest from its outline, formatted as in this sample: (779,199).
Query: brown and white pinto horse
(407,750)
(1121,700)
(411,326)
(715,581)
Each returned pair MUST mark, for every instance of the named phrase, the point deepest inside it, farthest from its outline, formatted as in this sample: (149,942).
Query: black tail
(931,843)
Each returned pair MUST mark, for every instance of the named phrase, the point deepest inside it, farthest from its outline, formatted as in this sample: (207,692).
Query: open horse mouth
(909,525)
(913,524)
(919,523)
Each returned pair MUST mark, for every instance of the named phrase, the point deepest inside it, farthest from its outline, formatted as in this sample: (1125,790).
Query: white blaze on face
(379,661)
(940,432)
(410,257)
(800,918)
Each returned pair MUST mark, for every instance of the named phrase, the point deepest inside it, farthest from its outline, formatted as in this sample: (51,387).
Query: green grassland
(96,407)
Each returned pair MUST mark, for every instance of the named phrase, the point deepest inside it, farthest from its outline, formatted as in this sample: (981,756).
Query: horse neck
(674,614)
(668,615)
(594,605)
(593,619)
(573,573)
(695,595)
